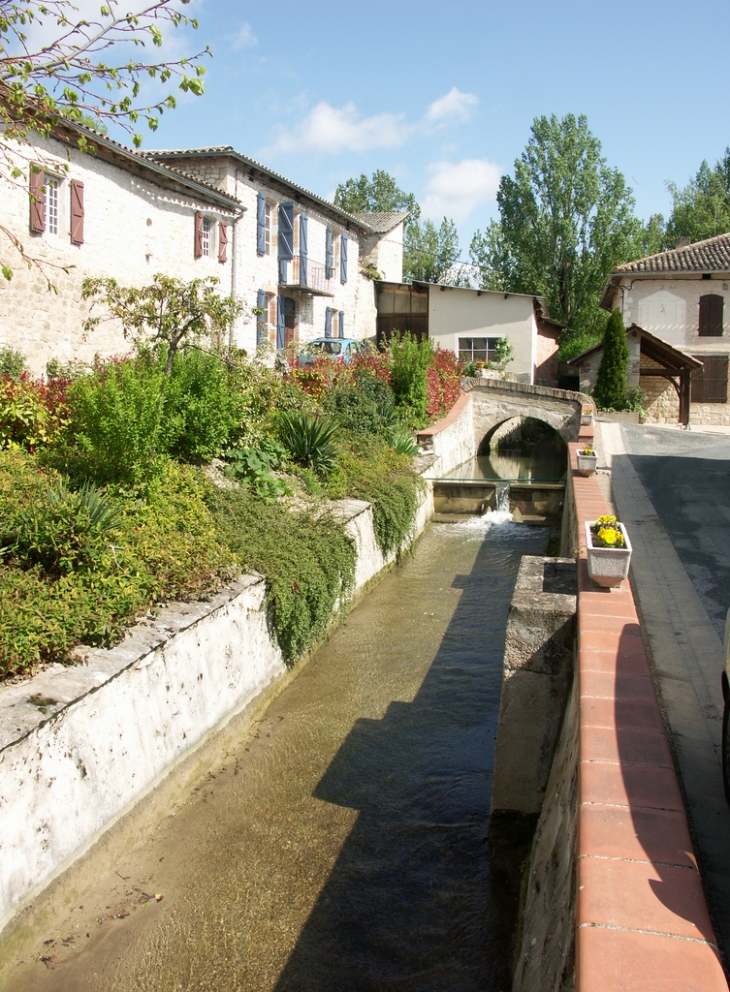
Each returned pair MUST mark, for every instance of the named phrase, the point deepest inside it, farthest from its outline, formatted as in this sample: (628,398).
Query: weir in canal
(344,845)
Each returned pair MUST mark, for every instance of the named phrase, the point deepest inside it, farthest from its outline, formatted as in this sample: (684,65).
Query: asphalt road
(687,478)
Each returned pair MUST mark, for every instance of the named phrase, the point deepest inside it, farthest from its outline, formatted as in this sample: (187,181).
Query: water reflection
(545,461)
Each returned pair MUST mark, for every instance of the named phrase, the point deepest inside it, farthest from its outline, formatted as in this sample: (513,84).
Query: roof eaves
(250,163)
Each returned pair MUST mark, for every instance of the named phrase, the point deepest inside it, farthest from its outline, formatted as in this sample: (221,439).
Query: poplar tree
(610,391)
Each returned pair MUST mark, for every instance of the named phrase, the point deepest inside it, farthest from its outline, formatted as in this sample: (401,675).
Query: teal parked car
(345,348)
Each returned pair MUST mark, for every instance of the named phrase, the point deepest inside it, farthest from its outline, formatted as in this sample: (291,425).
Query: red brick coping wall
(642,923)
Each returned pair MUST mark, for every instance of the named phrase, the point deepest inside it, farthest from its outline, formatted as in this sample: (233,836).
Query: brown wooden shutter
(711,385)
(198,234)
(37,202)
(77,212)
(711,307)
(222,241)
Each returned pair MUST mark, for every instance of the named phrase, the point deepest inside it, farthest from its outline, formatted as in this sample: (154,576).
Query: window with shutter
(329,256)
(222,241)
(52,204)
(711,385)
(261,224)
(198,234)
(206,239)
(328,322)
(77,212)
(286,230)
(711,315)
(280,322)
(37,201)
(342,323)
(343,258)
(303,249)
(261,317)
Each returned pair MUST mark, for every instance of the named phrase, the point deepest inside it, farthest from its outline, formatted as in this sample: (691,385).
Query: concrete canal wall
(80,745)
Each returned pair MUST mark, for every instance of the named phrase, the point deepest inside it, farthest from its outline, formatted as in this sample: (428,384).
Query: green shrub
(202,408)
(116,416)
(377,474)
(32,412)
(255,466)
(353,410)
(309,440)
(409,360)
(82,577)
(64,531)
(307,558)
(610,390)
(12,364)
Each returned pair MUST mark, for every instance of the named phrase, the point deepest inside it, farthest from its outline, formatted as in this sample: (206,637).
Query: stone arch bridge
(495,401)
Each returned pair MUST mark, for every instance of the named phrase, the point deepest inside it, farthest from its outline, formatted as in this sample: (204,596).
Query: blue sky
(442,95)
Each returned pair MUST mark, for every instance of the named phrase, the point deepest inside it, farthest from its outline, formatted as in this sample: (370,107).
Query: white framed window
(270,237)
(52,204)
(207,240)
(478,349)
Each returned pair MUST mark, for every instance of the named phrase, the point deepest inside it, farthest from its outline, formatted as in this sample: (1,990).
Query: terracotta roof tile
(711,255)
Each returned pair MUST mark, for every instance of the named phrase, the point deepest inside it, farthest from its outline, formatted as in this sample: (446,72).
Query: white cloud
(456,188)
(332,129)
(244,37)
(454,106)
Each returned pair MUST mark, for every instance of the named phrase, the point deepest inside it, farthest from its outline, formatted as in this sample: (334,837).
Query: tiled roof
(711,255)
(382,222)
(211,151)
(144,162)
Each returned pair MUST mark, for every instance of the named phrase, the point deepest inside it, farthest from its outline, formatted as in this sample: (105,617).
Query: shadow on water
(411,902)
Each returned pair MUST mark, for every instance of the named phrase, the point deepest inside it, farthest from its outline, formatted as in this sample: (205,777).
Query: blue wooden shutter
(303,250)
(261,224)
(286,238)
(343,258)
(261,320)
(328,322)
(329,257)
(342,323)
(280,323)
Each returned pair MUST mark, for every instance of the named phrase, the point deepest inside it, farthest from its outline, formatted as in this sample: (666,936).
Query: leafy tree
(566,219)
(702,208)
(610,391)
(429,252)
(376,195)
(170,312)
(55,65)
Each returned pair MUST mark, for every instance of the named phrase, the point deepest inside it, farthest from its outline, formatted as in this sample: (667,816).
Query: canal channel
(341,842)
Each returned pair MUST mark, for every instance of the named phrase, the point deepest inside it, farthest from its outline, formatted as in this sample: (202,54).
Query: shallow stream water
(341,845)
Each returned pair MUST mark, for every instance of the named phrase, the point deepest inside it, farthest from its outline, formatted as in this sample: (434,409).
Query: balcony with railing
(305,274)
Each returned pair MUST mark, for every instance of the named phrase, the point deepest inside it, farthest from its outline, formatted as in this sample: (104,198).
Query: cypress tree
(610,390)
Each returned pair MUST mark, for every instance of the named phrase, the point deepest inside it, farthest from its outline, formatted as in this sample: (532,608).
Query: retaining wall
(101,734)
(450,440)
(637,920)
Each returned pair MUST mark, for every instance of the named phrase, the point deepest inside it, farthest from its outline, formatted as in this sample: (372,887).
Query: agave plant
(310,440)
(401,442)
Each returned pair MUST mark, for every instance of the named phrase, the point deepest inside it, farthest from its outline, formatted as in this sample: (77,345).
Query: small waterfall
(501,513)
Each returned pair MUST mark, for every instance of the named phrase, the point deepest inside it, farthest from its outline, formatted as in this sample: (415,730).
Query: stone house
(470,321)
(308,263)
(679,296)
(110,213)
(189,213)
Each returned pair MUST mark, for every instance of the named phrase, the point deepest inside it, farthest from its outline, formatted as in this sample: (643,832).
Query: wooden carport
(670,363)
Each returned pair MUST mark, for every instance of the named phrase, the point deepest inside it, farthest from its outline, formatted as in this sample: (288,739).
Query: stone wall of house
(356,297)
(133,228)
(385,253)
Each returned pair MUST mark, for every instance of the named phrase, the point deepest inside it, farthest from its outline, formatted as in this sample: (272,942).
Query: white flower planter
(586,419)
(587,464)
(608,566)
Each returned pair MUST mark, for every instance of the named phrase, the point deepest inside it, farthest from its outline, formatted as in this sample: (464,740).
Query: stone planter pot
(586,419)
(587,464)
(608,566)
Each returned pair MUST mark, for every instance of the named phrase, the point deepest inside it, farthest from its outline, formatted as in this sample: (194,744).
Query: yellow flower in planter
(610,537)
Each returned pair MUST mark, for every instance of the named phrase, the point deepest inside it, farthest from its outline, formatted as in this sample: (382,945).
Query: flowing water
(340,846)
